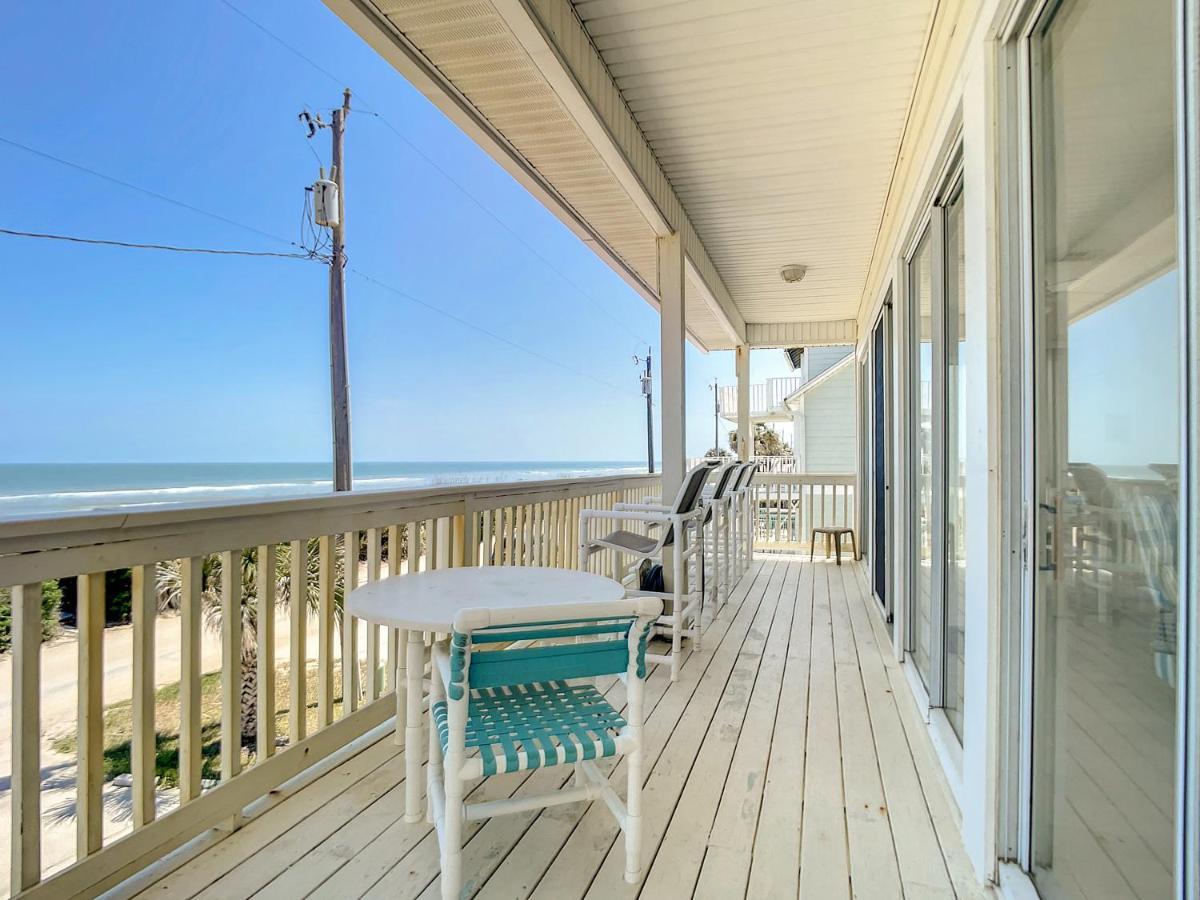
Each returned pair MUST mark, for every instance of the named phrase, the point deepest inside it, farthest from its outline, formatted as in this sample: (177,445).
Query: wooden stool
(833,535)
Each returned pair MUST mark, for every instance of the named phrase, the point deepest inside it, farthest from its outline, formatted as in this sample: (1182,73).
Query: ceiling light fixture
(793,273)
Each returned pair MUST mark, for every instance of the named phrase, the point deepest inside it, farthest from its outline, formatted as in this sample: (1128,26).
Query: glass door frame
(930,690)
(1020,547)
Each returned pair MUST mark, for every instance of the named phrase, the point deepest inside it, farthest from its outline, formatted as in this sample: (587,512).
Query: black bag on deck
(650,577)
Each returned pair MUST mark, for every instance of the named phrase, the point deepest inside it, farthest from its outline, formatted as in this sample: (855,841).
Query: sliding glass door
(937,390)
(1107,388)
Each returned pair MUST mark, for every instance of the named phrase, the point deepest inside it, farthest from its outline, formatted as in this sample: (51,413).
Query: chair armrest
(626,515)
(643,507)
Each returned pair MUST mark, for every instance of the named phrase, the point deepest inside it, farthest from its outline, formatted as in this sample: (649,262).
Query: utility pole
(647,386)
(339,377)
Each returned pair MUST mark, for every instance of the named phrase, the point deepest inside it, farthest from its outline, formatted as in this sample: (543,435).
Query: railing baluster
(471,543)
(457,528)
(350,678)
(89,799)
(325,587)
(297,646)
(264,623)
(374,567)
(393,634)
(444,543)
(812,522)
(26,799)
(231,664)
(191,615)
(142,750)
(431,545)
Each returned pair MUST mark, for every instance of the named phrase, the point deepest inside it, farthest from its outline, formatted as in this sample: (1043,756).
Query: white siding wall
(828,426)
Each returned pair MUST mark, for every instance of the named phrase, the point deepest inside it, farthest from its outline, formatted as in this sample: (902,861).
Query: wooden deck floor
(789,760)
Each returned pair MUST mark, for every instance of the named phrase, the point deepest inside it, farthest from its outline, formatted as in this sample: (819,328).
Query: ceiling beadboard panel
(801,334)
(777,123)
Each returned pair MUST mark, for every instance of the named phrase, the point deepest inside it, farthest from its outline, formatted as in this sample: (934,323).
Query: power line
(137,246)
(277,39)
(141,190)
(602,308)
(469,324)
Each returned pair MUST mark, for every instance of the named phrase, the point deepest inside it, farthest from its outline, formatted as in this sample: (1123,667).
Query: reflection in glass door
(1107,388)
(920,294)
(880,429)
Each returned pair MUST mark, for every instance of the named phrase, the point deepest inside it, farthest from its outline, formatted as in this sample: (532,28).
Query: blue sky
(124,355)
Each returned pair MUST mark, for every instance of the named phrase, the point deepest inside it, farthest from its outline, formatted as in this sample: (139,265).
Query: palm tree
(170,596)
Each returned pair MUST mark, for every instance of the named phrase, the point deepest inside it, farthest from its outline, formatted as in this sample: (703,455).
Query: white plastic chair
(673,527)
(717,534)
(494,711)
(742,504)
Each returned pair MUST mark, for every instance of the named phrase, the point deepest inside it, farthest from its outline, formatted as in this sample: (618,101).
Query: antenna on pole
(647,391)
(716,417)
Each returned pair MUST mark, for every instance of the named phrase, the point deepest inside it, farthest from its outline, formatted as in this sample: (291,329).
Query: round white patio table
(429,601)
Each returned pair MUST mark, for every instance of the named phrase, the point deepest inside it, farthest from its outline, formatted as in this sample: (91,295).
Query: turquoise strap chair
(498,709)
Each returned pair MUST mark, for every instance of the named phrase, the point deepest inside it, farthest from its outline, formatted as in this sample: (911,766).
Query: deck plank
(258,833)
(666,782)
(824,858)
(725,869)
(918,852)
(873,872)
(746,711)
(775,865)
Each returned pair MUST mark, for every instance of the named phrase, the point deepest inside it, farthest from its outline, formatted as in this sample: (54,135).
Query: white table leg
(412,727)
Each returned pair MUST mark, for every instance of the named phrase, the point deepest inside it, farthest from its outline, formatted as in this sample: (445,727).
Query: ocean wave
(102,497)
(169,491)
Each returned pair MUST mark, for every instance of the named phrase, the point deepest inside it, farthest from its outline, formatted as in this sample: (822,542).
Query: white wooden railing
(786,507)
(766,398)
(317,548)
(777,465)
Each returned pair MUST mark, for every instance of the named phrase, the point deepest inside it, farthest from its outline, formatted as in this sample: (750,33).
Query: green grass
(118,726)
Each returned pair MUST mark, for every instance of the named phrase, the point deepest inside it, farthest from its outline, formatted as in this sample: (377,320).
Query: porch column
(745,440)
(672,325)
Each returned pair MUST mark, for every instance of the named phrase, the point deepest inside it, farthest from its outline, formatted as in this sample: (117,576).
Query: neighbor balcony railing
(208,561)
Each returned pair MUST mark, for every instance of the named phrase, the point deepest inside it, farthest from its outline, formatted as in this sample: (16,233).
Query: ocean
(38,489)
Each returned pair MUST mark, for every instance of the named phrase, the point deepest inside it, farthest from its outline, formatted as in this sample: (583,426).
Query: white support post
(672,337)
(745,440)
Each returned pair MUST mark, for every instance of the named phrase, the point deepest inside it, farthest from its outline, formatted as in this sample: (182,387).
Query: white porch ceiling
(777,123)
(765,132)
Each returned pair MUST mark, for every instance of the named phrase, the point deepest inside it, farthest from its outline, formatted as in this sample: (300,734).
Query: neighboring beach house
(813,410)
(823,412)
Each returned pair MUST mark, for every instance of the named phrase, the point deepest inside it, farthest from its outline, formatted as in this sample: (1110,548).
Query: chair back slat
(606,652)
(559,662)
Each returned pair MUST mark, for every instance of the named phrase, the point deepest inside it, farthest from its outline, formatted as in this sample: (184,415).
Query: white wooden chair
(675,527)
(495,711)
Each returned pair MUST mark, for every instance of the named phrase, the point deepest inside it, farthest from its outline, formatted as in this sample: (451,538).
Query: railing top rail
(97,541)
(804,478)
